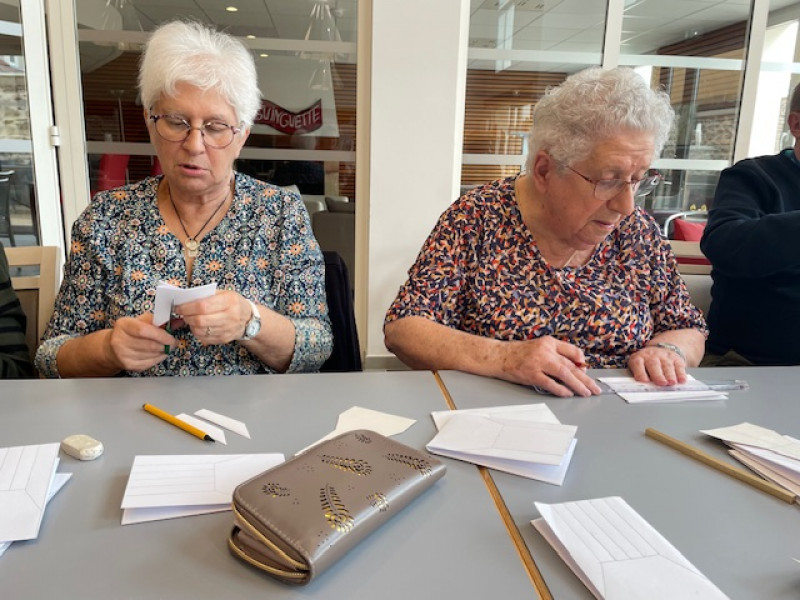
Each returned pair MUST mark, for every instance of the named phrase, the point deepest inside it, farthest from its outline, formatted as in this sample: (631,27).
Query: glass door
(27,186)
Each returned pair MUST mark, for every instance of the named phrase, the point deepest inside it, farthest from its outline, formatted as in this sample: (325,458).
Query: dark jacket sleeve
(15,360)
(754,216)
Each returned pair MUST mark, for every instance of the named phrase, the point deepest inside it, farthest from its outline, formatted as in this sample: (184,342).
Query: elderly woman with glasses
(535,277)
(200,223)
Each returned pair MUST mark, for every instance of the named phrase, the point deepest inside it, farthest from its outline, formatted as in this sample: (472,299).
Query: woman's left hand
(661,366)
(218,319)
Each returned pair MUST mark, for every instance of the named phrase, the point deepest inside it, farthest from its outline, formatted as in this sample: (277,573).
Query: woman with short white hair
(535,277)
(198,223)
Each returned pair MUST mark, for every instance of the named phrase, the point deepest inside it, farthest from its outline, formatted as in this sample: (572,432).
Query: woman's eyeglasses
(606,189)
(215,134)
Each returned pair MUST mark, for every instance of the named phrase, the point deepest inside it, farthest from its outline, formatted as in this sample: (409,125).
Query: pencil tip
(208,438)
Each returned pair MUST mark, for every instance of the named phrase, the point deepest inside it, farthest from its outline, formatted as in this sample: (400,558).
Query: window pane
(686,28)
(18,220)
(777,78)
(293,81)
(517,51)
(305,55)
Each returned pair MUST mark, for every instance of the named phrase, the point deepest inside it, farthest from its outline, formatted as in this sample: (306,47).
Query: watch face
(252,329)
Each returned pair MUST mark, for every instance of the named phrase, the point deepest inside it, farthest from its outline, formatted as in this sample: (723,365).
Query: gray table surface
(449,543)
(742,539)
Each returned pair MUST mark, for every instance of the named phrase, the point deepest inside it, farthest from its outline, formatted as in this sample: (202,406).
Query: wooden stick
(740,474)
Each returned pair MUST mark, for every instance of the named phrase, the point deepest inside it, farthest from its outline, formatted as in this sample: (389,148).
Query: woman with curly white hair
(198,223)
(535,277)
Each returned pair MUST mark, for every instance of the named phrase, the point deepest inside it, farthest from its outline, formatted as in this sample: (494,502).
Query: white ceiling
(283,19)
(555,25)
(577,25)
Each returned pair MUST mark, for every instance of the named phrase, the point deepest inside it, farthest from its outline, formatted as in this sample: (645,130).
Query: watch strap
(254,316)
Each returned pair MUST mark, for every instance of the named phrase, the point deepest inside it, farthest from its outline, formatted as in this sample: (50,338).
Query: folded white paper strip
(223,421)
(617,554)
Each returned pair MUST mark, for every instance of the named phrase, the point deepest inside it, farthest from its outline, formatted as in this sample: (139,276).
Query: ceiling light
(231,9)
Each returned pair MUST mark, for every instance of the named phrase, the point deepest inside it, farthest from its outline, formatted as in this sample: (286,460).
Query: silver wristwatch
(253,326)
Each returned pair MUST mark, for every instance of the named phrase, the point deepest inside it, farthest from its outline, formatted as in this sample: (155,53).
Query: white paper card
(667,395)
(357,417)
(181,481)
(520,413)
(131,516)
(760,437)
(59,479)
(473,435)
(617,554)
(26,474)
(168,294)
(535,413)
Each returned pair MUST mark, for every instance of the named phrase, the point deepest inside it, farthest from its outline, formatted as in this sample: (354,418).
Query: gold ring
(208,331)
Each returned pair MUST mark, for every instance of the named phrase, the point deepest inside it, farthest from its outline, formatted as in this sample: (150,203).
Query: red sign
(286,121)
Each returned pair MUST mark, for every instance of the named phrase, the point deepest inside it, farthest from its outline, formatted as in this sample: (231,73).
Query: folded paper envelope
(617,554)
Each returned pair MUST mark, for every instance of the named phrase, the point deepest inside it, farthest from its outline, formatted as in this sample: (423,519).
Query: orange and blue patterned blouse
(480,271)
(263,249)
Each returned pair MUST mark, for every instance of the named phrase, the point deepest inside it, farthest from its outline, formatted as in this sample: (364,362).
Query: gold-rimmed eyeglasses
(174,128)
(606,189)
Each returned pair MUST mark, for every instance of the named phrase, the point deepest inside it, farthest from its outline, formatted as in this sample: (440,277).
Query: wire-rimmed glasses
(215,134)
(606,189)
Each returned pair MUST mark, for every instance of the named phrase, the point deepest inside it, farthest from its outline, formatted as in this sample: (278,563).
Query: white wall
(419,53)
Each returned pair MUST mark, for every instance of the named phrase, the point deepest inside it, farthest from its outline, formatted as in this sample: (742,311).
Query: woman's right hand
(135,344)
(545,362)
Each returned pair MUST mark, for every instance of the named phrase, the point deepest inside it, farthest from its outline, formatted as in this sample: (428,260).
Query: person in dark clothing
(15,361)
(752,242)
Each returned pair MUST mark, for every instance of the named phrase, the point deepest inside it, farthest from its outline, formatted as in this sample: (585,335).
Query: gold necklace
(191,244)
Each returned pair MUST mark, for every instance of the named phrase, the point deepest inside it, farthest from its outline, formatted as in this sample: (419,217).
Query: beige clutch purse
(297,519)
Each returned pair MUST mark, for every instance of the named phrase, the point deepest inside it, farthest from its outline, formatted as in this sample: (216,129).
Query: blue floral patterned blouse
(480,271)
(263,249)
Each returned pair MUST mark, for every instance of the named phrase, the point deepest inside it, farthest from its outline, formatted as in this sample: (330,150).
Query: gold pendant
(191,247)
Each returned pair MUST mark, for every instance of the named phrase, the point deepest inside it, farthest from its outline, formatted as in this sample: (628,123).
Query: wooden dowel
(740,474)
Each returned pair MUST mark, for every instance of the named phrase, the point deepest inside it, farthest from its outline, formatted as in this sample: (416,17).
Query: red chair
(156,168)
(113,171)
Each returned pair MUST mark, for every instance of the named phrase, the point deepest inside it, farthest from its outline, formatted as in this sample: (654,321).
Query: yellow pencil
(741,475)
(153,410)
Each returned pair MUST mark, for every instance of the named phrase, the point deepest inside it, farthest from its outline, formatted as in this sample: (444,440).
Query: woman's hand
(555,366)
(657,364)
(217,319)
(135,344)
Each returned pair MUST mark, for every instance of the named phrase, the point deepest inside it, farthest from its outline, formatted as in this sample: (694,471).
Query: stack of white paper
(165,487)
(525,440)
(773,456)
(636,392)
(617,554)
(27,482)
